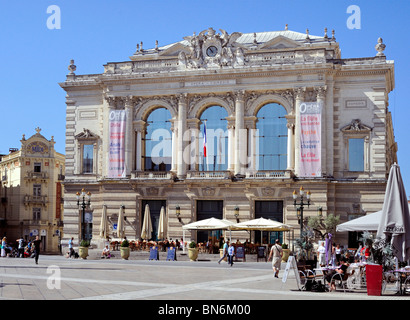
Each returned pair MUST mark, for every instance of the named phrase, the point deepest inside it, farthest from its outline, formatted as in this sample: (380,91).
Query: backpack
(318,287)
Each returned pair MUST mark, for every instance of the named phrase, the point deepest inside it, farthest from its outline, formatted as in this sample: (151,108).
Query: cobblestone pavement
(59,278)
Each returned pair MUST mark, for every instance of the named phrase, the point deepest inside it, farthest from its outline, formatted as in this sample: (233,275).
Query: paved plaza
(59,278)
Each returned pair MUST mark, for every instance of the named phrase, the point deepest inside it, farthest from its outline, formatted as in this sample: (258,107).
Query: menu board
(172,254)
(153,253)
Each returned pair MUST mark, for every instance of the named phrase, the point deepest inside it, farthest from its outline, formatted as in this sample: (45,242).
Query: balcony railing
(269,174)
(36,175)
(208,174)
(142,175)
(263,174)
(35,200)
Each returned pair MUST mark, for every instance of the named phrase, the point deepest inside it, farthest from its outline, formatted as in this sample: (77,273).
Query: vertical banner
(310,115)
(116,156)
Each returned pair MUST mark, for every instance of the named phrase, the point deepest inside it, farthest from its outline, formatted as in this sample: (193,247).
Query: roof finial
(254,38)
(307,34)
(380,46)
(286,27)
(156,45)
(72,67)
(333,35)
(325,36)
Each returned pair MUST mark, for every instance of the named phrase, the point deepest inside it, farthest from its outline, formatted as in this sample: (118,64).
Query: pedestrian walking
(21,247)
(3,247)
(70,247)
(224,250)
(231,254)
(276,256)
(37,245)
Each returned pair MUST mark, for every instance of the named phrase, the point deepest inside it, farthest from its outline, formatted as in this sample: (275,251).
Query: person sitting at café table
(365,253)
(340,270)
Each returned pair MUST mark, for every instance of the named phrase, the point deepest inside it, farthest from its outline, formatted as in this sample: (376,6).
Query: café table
(404,278)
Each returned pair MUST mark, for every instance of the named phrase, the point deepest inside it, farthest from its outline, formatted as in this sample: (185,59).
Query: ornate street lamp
(178,212)
(301,205)
(236,214)
(84,204)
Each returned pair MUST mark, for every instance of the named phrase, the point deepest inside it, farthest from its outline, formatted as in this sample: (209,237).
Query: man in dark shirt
(36,244)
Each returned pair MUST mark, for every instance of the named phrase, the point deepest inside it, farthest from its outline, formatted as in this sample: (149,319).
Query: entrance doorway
(269,210)
(155,210)
(209,209)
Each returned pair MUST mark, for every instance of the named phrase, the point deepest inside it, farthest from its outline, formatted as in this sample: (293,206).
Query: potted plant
(83,249)
(193,251)
(125,249)
(286,252)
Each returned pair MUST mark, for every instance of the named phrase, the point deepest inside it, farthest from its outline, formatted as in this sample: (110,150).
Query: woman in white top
(322,254)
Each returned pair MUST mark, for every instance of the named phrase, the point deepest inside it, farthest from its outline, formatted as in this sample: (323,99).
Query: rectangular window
(37,166)
(356,154)
(88,155)
(36,214)
(37,190)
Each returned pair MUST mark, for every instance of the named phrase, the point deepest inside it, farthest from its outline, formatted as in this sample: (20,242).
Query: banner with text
(310,115)
(116,157)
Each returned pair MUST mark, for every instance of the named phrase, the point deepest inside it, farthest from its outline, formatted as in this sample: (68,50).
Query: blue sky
(93,32)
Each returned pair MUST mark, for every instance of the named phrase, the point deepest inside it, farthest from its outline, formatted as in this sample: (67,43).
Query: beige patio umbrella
(261,224)
(162,227)
(146,231)
(104,223)
(394,227)
(120,223)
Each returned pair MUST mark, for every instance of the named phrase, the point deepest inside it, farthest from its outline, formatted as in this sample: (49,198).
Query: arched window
(158,141)
(272,137)
(216,156)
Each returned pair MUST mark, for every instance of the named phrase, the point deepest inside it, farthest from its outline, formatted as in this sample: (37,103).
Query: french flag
(205,139)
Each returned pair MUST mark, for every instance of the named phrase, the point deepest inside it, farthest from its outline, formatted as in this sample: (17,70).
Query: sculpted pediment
(280,42)
(175,49)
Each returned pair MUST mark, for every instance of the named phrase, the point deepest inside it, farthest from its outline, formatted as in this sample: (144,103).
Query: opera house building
(228,125)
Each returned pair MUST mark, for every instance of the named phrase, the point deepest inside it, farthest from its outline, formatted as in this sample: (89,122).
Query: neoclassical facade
(31,192)
(228,125)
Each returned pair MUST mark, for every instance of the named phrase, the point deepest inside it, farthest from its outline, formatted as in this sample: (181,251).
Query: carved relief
(211,50)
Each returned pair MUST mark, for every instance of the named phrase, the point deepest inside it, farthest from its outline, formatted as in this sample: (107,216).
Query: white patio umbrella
(395,219)
(261,224)
(162,226)
(208,224)
(104,223)
(369,222)
(120,223)
(146,231)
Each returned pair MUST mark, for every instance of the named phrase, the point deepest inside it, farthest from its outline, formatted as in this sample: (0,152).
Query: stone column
(231,144)
(240,134)
(291,141)
(299,97)
(321,98)
(140,126)
(193,156)
(174,146)
(182,125)
(252,143)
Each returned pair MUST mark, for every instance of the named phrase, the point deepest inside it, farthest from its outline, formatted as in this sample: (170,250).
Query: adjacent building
(229,125)
(31,192)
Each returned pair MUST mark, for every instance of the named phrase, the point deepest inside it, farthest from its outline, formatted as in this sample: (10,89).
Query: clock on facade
(211,51)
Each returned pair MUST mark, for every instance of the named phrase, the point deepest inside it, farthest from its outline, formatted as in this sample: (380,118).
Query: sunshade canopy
(368,222)
(209,224)
(261,224)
